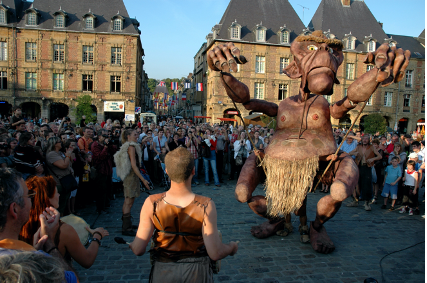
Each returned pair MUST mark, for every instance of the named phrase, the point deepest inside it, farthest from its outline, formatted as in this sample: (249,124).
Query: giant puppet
(303,143)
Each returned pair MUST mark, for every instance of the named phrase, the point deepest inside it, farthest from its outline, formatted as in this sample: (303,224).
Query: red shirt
(102,124)
(213,144)
(389,148)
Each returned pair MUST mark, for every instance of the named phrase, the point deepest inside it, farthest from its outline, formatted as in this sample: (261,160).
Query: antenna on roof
(303,11)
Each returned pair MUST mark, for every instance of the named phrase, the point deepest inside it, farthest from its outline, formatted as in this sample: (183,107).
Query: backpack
(204,150)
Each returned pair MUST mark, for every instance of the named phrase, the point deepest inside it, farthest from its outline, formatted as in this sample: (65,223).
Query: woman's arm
(63,163)
(131,153)
(71,241)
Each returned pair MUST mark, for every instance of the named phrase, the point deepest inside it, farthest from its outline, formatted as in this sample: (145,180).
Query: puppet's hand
(225,57)
(390,62)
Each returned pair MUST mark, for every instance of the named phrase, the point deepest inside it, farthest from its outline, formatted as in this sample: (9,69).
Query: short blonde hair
(179,163)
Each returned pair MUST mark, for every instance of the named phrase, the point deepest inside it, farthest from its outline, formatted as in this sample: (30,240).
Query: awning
(253,116)
(202,117)
(227,119)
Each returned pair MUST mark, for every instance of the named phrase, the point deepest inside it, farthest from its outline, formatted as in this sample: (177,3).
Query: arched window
(2,16)
(235,30)
(260,35)
(371,46)
(350,43)
(89,23)
(59,21)
(117,25)
(31,19)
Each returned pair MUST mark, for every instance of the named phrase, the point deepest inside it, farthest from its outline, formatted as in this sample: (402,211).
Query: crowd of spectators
(67,167)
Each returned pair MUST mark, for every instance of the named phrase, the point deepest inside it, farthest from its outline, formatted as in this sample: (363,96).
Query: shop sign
(232,112)
(114,106)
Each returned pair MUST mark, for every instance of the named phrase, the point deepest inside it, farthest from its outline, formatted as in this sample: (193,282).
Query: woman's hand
(100,230)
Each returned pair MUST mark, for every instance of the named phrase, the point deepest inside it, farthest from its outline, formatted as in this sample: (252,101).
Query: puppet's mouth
(318,70)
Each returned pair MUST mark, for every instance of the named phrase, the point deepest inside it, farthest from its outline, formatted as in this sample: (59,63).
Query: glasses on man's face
(31,195)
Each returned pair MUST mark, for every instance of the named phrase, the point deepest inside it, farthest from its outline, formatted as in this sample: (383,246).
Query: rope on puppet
(342,142)
(240,116)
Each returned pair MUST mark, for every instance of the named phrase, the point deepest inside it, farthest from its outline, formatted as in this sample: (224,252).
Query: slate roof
(409,43)
(248,13)
(422,37)
(104,10)
(340,20)
(12,6)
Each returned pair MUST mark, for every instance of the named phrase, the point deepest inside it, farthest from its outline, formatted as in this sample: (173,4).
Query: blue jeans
(212,161)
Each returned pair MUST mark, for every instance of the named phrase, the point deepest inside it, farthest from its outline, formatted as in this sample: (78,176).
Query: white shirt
(237,148)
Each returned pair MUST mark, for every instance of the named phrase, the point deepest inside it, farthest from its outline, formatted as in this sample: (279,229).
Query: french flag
(199,87)
(174,85)
(184,96)
(187,85)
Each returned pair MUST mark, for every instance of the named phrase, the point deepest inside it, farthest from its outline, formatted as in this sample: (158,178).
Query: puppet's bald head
(316,61)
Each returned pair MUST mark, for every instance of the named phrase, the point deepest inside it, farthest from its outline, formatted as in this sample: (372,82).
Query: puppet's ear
(292,71)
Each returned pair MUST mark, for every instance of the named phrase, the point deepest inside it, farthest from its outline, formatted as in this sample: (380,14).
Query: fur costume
(121,158)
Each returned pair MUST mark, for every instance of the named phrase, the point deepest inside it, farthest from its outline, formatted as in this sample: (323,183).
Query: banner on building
(114,106)
(137,110)
(199,87)
(174,85)
(187,85)
(184,96)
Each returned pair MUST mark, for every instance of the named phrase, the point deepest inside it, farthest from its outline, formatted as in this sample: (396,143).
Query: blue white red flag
(174,85)
(199,87)
(187,85)
(184,96)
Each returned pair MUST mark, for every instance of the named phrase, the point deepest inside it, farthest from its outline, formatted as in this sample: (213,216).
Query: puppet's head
(316,62)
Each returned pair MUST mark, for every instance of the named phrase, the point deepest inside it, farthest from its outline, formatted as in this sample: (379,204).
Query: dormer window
(118,21)
(260,33)
(349,41)
(284,35)
(89,20)
(59,21)
(235,30)
(117,24)
(2,16)
(89,23)
(371,45)
(31,19)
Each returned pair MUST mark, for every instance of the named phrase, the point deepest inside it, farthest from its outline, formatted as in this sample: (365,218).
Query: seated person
(190,250)
(65,238)
(15,204)
(32,267)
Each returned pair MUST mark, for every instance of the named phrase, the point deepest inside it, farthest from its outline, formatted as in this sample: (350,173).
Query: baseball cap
(413,155)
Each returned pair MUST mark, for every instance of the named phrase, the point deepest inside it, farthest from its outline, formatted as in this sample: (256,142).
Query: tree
(270,122)
(375,123)
(84,107)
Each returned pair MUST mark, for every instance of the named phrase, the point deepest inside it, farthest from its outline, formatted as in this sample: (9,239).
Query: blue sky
(173,31)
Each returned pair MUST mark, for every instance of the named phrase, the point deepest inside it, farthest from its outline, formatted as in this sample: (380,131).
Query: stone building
(53,51)
(263,31)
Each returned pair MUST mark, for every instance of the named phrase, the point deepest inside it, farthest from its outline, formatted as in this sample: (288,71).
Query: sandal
(286,231)
(391,208)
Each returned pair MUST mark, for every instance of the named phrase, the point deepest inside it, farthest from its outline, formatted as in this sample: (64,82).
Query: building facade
(55,51)
(263,32)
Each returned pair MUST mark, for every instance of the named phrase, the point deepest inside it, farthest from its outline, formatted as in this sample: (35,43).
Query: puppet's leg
(346,176)
(250,176)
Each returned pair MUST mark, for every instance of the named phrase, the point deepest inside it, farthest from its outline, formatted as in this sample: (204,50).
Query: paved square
(361,239)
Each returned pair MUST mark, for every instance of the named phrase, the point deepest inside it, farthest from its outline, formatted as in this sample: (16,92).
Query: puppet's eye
(312,47)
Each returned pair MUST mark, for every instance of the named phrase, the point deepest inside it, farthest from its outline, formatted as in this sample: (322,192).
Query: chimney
(381,24)
(345,3)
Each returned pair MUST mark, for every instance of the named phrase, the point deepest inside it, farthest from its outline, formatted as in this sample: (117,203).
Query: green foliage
(375,123)
(270,122)
(84,103)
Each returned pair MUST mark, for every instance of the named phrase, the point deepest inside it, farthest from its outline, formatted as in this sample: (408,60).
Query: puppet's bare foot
(268,228)
(320,240)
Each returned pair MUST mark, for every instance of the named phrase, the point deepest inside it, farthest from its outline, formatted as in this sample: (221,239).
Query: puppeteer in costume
(303,143)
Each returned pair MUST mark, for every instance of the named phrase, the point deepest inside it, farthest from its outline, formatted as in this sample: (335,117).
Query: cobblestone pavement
(361,239)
